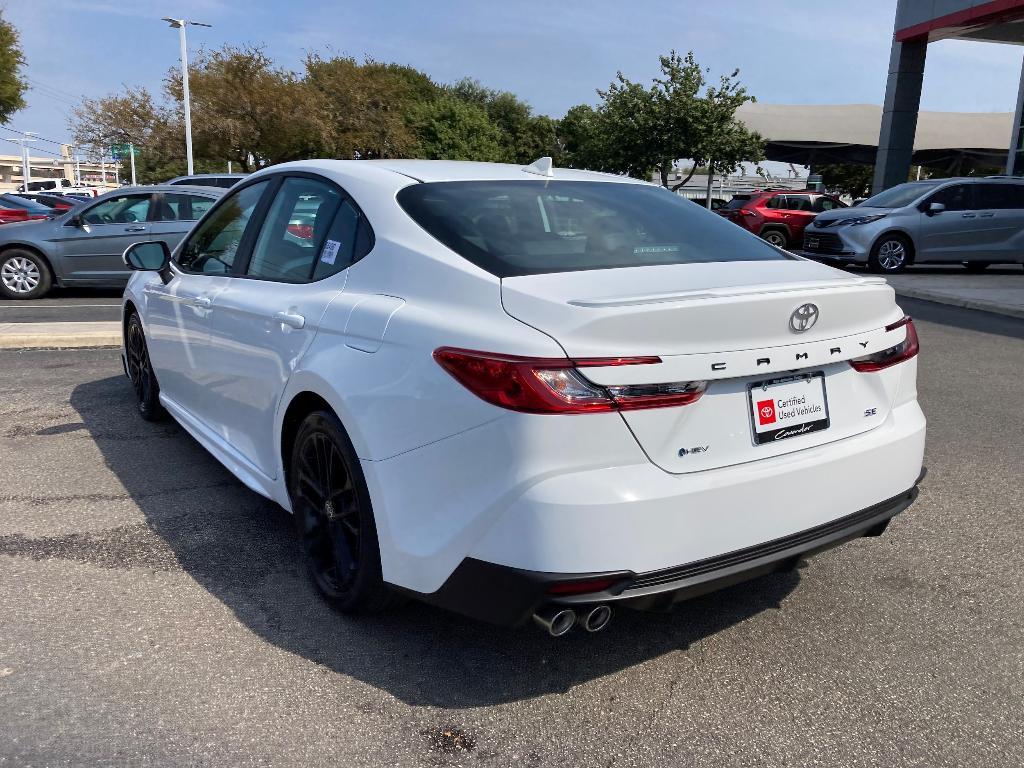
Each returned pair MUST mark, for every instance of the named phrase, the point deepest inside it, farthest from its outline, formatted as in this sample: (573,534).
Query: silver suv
(975,222)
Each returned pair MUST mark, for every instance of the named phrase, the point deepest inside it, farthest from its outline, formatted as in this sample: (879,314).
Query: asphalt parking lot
(151,611)
(65,305)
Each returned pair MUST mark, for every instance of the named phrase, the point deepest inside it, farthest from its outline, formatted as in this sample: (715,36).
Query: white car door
(178,311)
(267,317)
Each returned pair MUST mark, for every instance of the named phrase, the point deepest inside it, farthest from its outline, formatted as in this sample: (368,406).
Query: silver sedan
(83,246)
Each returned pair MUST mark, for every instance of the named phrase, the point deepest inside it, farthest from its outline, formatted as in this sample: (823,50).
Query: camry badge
(803,318)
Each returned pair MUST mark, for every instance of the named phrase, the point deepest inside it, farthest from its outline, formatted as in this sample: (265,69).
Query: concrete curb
(956,301)
(59,335)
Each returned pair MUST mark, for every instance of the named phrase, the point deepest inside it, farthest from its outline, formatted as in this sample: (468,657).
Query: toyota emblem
(803,318)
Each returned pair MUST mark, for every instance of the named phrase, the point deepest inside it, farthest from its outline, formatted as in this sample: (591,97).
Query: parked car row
(82,246)
(976,222)
(15,208)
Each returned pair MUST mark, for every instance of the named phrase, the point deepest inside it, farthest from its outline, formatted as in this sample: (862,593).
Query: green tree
(131,116)
(12,84)
(365,109)
(703,127)
(526,136)
(583,138)
(247,110)
(449,128)
(851,179)
(637,129)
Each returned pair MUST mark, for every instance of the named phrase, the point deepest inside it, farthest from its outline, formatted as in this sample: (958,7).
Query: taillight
(556,385)
(903,351)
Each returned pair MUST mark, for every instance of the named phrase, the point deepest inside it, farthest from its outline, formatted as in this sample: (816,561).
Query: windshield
(527,227)
(900,196)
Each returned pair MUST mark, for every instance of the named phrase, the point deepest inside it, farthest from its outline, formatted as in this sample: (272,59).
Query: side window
(775,203)
(122,209)
(827,204)
(955,198)
(345,243)
(181,207)
(212,247)
(996,197)
(798,203)
(294,230)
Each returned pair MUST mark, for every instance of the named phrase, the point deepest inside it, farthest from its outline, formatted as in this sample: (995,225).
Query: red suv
(779,216)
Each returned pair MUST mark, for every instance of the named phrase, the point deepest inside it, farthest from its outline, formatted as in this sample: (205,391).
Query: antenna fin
(542,167)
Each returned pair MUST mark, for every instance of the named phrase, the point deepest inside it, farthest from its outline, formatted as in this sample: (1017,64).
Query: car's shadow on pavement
(242,549)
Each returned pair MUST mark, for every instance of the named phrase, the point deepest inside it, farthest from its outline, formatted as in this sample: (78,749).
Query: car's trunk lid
(730,324)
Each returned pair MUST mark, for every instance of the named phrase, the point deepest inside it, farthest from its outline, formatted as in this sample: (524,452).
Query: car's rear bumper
(510,596)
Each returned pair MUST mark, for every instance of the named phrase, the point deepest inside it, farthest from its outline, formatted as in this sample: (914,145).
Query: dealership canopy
(848,133)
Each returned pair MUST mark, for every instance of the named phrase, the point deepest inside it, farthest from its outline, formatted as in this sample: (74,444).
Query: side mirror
(79,222)
(147,257)
(935,208)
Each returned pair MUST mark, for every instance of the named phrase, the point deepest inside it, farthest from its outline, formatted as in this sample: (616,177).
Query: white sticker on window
(330,252)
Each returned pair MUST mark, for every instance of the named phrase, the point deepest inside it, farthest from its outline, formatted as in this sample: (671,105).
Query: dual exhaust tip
(558,620)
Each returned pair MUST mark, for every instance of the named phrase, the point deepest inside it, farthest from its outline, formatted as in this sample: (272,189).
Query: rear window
(738,201)
(512,228)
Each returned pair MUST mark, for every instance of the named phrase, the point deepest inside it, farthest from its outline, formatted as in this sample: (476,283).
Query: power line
(62,100)
(58,91)
(37,149)
(48,141)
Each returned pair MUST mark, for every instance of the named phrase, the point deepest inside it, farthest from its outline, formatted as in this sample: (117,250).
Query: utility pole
(26,161)
(131,154)
(103,167)
(180,25)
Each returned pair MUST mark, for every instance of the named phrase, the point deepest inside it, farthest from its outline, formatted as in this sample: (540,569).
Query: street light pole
(180,25)
(26,161)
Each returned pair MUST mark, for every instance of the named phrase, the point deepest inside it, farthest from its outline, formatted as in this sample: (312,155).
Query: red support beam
(993,12)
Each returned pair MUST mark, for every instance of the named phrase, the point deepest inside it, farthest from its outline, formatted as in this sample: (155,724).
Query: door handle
(289,319)
(134,229)
(970,216)
(987,215)
(203,302)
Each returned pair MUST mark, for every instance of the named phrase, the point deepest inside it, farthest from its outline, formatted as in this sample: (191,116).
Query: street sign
(117,151)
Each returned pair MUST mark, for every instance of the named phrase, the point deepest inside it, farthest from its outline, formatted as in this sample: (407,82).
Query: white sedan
(525,392)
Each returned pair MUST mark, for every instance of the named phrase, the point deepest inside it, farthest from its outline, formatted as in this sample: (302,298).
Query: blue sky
(553,54)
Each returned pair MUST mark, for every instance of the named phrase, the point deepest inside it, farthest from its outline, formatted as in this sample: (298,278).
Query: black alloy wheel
(140,371)
(334,518)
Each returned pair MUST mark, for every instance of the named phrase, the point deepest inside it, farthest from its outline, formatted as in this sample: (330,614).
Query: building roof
(810,134)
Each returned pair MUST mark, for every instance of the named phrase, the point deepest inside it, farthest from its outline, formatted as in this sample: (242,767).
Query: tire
(334,517)
(24,275)
(976,266)
(140,371)
(891,255)
(776,237)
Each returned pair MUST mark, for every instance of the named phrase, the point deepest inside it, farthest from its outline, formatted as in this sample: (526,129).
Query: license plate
(789,407)
(812,242)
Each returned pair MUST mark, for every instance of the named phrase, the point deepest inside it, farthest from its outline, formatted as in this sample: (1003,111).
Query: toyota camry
(525,392)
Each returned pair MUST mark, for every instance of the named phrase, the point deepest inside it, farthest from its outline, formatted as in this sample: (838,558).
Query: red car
(779,216)
(13,208)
